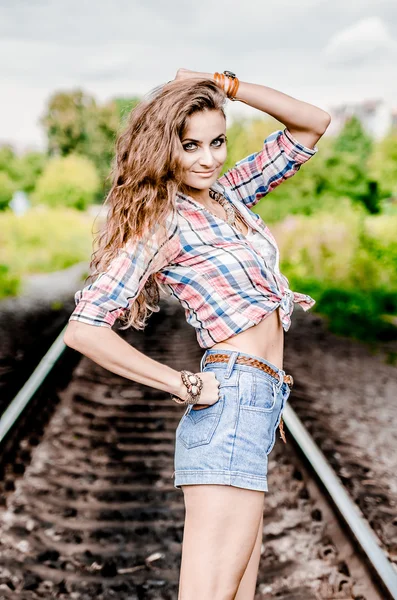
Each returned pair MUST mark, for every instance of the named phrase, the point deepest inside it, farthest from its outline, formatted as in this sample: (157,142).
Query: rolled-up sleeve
(259,173)
(101,302)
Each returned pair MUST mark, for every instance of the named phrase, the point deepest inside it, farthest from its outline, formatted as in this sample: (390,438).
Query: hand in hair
(187,74)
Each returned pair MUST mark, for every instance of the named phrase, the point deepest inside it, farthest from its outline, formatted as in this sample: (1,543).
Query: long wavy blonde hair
(146,174)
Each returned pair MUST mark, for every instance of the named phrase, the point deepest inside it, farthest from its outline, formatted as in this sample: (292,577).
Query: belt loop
(202,361)
(281,374)
(230,364)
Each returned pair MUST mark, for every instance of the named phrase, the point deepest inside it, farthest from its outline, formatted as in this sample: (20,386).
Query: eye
(185,147)
(219,142)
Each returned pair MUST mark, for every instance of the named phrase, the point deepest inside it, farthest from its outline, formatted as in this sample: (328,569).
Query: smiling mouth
(205,173)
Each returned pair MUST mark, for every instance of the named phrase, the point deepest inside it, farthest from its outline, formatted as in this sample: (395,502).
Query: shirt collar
(189,202)
(181,197)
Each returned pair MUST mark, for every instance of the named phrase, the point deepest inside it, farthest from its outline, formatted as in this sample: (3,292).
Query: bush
(70,181)
(7,188)
(41,241)
(346,260)
(9,283)
(30,167)
(359,313)
(18,172)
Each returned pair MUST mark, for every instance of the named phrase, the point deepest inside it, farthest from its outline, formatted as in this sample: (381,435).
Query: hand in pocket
(210,393)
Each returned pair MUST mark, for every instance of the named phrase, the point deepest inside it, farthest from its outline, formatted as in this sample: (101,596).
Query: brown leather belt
(251,362)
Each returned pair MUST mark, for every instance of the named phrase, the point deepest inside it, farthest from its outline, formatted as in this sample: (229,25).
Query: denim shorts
(229,442)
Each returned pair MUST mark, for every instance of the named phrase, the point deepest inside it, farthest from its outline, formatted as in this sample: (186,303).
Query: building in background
(394,118)
(376,116)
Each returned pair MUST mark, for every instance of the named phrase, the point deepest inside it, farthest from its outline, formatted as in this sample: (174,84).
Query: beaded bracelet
(194,385)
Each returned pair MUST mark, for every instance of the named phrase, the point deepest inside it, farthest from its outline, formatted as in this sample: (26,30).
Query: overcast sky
(321,51)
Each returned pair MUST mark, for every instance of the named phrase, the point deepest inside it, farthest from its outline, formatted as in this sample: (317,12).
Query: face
(203,149)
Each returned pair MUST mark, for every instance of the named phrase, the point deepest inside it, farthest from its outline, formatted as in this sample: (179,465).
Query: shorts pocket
(257,392)
(198,426)
(261,406)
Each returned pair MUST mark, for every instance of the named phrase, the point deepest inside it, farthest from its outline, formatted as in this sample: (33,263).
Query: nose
(207,159)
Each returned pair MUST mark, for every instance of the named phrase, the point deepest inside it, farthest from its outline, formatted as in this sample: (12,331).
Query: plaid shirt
(219,277)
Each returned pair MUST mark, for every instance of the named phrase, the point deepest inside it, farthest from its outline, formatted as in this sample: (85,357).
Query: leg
(221,529)
(247,587)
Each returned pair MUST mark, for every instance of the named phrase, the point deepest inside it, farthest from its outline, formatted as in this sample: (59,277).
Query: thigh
(221,527)
(247,587)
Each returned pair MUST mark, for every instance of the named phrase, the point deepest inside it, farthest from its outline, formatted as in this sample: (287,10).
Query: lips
(205,173)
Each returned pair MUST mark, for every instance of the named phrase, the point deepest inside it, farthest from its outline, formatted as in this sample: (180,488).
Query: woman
(174,222)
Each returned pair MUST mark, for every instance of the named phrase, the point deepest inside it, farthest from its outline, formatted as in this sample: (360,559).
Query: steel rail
(353,517)
(30,387)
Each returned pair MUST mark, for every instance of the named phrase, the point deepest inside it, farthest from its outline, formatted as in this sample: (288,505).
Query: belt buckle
(289,379)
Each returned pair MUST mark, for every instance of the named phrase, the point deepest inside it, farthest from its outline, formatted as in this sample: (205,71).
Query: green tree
(349,166)
(66,121)
(76,124)
(383,164)
(354,140)
(70,181)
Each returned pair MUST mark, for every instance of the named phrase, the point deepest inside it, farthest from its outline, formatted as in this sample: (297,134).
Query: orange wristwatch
(233,84)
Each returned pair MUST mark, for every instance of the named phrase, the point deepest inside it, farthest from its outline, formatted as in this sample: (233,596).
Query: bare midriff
(266,339)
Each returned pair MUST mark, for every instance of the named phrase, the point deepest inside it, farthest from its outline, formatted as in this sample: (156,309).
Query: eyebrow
(199,141)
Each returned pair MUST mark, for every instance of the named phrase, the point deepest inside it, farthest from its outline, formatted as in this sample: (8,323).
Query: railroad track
(89,507)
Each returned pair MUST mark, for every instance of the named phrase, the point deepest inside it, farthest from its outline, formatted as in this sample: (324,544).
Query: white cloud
(364,41)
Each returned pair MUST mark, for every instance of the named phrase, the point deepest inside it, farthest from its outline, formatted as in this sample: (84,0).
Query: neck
(199,195)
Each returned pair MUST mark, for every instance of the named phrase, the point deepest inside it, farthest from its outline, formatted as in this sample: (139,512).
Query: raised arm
(283,151)
(306,122)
